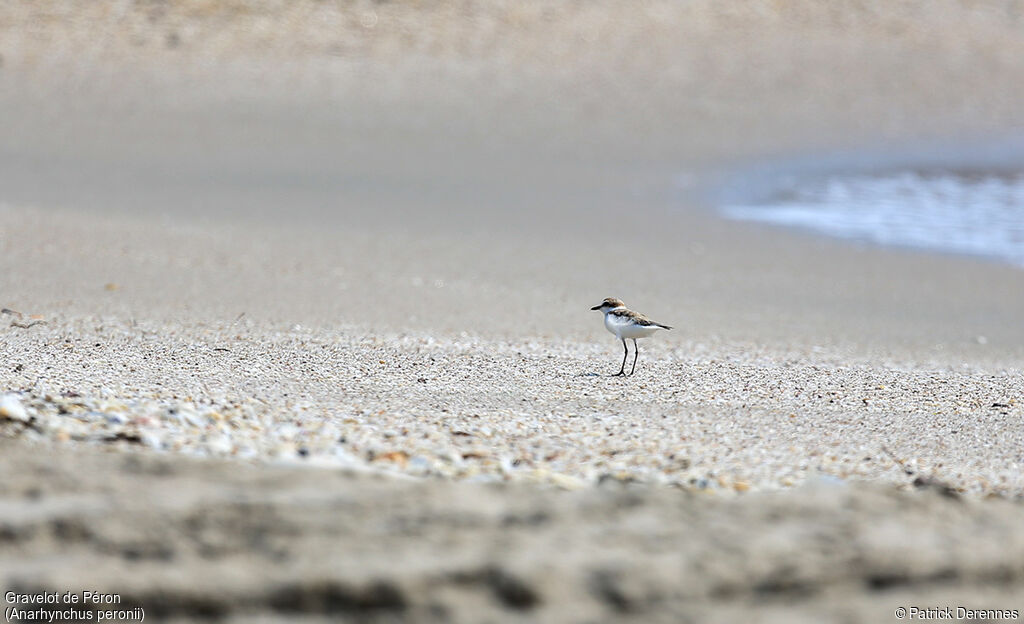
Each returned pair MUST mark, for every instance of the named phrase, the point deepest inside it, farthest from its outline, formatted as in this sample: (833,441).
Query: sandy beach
(296,314)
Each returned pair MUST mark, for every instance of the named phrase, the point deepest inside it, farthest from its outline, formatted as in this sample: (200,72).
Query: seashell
(12,409)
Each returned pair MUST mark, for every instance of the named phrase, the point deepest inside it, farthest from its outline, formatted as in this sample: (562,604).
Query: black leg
(622,369)
(636,354)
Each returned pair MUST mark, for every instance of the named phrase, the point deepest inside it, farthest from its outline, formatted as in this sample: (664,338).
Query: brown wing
(637,318)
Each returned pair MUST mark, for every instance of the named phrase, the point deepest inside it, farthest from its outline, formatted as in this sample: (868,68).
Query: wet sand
(338,248)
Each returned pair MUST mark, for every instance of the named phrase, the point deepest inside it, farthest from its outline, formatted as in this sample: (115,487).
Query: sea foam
(960,211)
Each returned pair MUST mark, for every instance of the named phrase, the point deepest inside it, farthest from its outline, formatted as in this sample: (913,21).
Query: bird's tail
(663,326)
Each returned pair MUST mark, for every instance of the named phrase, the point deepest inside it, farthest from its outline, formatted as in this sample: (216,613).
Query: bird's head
(609,303)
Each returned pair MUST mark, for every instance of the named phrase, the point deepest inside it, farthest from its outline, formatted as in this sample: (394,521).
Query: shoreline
(768,191)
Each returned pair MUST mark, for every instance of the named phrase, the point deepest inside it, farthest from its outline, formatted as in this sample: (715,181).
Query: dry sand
(316,241)
(190,540)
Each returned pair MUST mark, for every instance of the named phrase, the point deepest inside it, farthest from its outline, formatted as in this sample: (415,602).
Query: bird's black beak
(597,307)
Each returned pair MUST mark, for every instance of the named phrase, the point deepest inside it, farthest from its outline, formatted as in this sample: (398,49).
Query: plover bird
(626,325)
